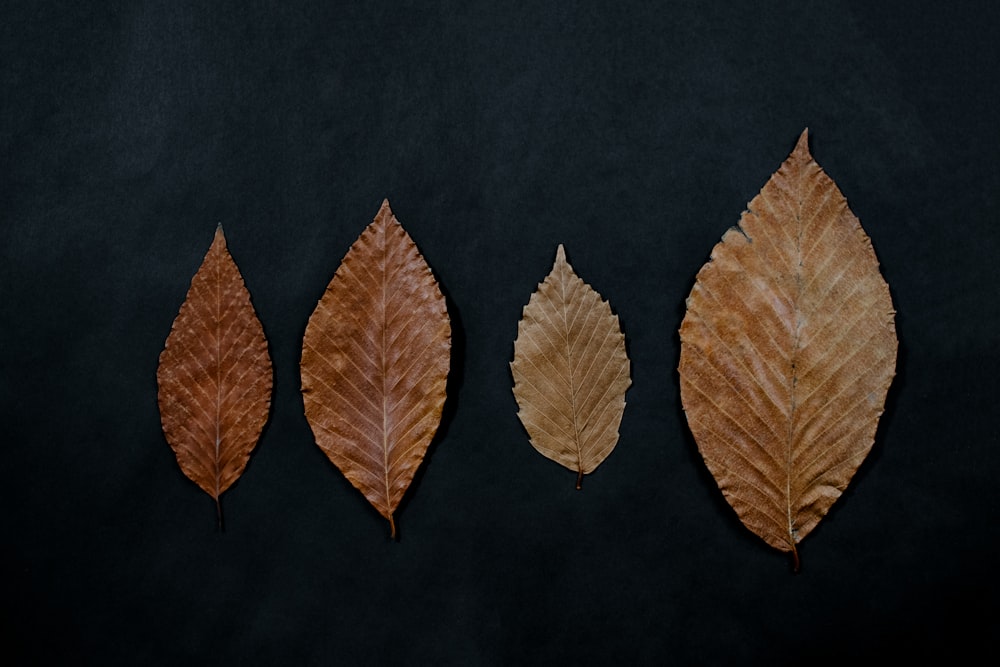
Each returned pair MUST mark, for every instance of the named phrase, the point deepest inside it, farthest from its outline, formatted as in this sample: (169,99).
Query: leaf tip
(385,217)
(560,254)
(802,145)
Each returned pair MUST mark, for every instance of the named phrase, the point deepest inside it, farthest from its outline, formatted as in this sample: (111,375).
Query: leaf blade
(789,328)
(571,371)
(214,378)
(375,361)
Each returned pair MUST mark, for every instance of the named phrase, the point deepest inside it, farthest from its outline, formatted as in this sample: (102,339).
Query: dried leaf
(375,363)
(215,376)
(788,348)
(570,371)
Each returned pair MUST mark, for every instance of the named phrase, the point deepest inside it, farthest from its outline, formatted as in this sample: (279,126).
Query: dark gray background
(632,132)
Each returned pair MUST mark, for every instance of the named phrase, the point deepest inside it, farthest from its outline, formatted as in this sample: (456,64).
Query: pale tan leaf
(375,362)
(215,376)
(788,348)
(570,371)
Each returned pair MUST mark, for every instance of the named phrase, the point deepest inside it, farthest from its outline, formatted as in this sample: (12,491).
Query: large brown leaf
(375,363)
(215,376)
(788,348)
(570,371)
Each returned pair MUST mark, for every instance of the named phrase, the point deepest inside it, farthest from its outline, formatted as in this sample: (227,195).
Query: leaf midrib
(570,368)
(382,359)
(218,376)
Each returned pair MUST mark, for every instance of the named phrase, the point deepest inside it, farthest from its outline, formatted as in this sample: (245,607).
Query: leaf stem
(795,560)
(392,528)
(579,480)
(218,512)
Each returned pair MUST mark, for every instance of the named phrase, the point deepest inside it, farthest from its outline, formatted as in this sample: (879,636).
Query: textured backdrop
(632,132)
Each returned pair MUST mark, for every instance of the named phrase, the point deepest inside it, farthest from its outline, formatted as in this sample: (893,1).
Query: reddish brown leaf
(375,363)
(215,376)
(787,351)
(570,371)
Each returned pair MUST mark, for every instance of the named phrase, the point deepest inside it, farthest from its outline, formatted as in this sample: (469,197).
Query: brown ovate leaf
(215,376)
(375,363)
(570,371)
(788,348)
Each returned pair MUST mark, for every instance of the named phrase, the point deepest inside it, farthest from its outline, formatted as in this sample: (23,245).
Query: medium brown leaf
(788,348)
(570,371)
(215,376)
(375,363)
